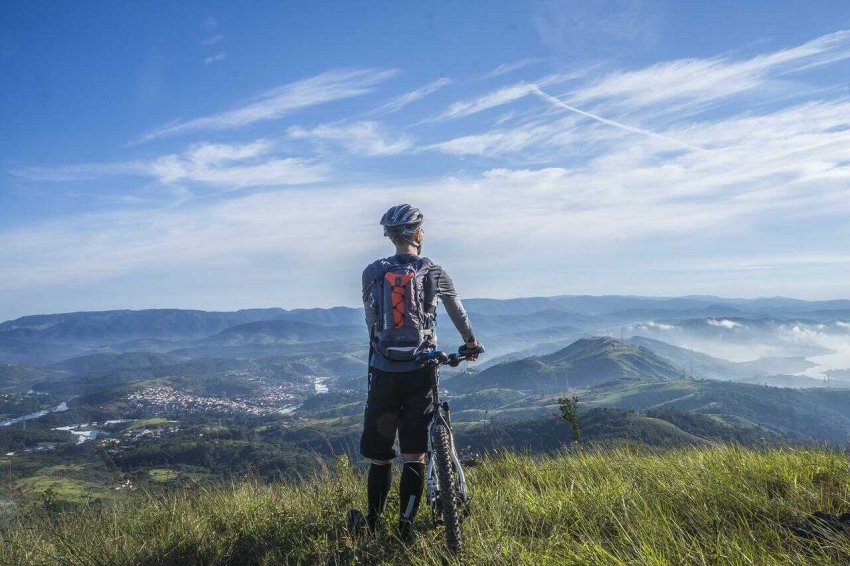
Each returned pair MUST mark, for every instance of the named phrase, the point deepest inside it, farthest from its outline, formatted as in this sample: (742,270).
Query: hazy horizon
(354,306)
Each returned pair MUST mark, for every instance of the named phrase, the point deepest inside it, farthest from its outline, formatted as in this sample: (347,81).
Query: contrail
(557,102)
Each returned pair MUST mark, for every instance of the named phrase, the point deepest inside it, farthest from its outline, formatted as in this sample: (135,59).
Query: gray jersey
(438,286)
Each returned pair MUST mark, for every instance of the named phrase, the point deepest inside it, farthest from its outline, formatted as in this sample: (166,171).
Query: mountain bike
(446,488)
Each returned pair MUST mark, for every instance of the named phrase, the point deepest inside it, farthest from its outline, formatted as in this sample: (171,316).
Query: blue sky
(229,155)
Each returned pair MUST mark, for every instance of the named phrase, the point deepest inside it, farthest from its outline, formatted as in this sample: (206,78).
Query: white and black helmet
(402,220)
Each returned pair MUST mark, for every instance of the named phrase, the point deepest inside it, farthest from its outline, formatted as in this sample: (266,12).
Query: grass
(624,505)
(162,474)
(150,422)
(68,490)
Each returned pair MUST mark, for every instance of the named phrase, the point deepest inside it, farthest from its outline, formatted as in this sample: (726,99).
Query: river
(60,408)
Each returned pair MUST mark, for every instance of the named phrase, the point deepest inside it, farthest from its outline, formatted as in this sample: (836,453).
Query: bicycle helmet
(402,221)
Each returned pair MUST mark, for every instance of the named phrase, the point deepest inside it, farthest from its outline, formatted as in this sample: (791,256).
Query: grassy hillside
(584,363)
(719,505)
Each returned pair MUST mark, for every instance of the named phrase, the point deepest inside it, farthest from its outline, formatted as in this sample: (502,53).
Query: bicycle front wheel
(449,492)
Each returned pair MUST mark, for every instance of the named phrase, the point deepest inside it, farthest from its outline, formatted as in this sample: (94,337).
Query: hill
(19,377)
(99,364)
(700,365)
(586,362)
(100,327)
(593,506)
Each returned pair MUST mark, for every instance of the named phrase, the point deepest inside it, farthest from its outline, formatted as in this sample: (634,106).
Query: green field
(152,422)
(162,475)
(624,505)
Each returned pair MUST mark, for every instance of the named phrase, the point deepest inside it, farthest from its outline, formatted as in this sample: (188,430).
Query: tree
(568,407)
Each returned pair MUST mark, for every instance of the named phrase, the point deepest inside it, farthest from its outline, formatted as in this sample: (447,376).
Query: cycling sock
(377,489)
(410,491)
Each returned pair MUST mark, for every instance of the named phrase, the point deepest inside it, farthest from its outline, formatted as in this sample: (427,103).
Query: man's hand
(472,345)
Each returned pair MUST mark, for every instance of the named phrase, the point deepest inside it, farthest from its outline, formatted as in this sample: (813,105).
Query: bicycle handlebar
(438,357)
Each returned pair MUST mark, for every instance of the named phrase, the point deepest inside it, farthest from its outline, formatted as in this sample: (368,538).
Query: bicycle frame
(441,415)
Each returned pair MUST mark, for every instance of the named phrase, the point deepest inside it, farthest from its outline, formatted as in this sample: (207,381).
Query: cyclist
(400,295)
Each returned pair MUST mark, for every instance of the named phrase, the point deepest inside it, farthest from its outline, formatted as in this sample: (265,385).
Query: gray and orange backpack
(404,326)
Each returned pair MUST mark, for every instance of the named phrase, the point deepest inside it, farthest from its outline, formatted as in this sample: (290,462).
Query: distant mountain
(283,332)
(99,364)
(695,364)
(587,362)
(335,316)
(839,374)
(699,365)
(793,381)
(703,304)
(24,351)
(511,328)
(110,327)
(158,345)
(509,323)
(776,365)
(19,377)
(638,314)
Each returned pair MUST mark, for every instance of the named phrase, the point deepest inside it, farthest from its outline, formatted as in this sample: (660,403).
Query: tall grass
(625,505)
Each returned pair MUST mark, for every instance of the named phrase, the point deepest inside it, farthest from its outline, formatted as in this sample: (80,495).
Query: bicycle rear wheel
(449,493)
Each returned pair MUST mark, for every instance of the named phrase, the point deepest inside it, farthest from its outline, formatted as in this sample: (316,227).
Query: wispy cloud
(492,100)
(217,166)
(212,40)
(221,56)
(400,102)
(495,143)
(503,96)
(506,68)
(281,101)
(700,80)
(642,131)
(366,138)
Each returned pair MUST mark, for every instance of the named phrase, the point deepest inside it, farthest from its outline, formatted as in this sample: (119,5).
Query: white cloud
(495,142)
(723,323)
(227,166)
(504,95)
(220,165)
(656,325)
(400,102)
(281,101)
(700,80)
(366,138)
(498,98)
(212,40)
(221,56)
(506,68)
(642,131)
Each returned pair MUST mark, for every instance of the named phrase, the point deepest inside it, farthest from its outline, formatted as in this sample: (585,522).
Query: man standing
(400,295)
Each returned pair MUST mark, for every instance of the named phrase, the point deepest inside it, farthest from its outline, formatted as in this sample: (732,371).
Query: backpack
(403,328)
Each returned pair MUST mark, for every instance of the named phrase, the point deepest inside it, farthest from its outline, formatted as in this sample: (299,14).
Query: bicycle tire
(449,495)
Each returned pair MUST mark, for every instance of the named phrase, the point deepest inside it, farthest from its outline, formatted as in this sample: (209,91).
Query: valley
(97,403)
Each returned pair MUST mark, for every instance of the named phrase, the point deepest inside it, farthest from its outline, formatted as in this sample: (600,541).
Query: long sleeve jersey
(437,286)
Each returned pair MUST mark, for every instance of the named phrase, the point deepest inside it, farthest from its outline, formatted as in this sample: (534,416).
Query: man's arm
(368,307)
(454,307)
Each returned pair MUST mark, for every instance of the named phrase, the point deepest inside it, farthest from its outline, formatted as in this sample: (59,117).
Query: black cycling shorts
(397,401)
